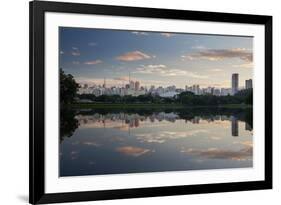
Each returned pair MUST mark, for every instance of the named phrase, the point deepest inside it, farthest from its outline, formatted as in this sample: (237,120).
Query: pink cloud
(94,62)
(133,56)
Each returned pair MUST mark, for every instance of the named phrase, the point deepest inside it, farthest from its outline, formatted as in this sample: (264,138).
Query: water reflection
(234,126)
(131,141)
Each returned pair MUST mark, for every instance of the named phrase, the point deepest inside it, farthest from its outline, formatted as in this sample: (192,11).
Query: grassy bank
(149,106)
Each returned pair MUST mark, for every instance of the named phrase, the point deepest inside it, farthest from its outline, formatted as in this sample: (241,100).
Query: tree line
(186,98)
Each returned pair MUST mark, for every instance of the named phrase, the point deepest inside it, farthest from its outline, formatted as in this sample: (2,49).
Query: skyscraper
(104,83)
(235,83)
(249,84)
(132,85)
(137,85)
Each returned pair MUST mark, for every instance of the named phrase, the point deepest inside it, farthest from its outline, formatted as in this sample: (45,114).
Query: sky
(154,58)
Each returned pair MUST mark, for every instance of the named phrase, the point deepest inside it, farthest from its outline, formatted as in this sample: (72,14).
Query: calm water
(132,141)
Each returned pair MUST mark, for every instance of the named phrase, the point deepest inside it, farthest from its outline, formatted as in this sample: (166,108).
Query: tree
(249,98)
(246,95)
(68,88)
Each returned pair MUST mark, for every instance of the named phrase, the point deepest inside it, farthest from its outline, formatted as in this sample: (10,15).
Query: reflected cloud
(161,137)
(74,155)
(245,143)
(92,144)
(215,138)
(140,33)
(133,151)
(75,53)
(243,154)
(168,35)
(74,152)
(91,163)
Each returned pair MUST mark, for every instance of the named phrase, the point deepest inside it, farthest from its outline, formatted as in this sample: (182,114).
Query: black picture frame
(37,194)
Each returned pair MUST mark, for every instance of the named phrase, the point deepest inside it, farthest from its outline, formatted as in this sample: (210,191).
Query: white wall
(14,100)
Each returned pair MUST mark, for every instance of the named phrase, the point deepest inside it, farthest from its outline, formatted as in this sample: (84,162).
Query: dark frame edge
(152,192)
(36,102)
(31,171)
(268,101)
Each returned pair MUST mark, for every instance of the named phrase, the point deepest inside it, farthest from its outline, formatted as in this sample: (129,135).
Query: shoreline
(151,105)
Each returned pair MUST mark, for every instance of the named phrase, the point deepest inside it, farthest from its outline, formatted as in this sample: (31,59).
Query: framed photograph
(140,102)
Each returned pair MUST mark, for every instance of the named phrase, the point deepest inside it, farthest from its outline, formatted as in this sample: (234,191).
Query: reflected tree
(68,123)
(249,117)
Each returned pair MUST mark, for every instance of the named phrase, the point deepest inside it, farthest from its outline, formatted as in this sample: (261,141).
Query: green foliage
(68,88)
(184,98)
(246,95)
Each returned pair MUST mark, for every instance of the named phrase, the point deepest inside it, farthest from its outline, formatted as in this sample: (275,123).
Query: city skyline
(134,88)
(154,58)
(246,85)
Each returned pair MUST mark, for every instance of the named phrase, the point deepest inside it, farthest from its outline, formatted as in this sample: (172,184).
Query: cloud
(216,70)
(75,53)
(140,33)
(94,62)
(163,70)
(133,56)
(221,54)
(75,62)
(157,66)
(244,65)
(198,47)
(132,151)
(92,44)
(167,34)
(125,78)
(246,153)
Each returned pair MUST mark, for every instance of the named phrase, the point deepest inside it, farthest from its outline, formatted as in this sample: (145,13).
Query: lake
(100,141)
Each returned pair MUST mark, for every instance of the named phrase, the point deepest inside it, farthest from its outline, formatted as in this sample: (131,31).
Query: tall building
(104,83)
(235,83)
(132,85)
(137,85)
(249,84)
(196,89)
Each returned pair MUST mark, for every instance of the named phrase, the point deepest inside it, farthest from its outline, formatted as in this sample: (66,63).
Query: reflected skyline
(113,142)
(234,127)
(126,121)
